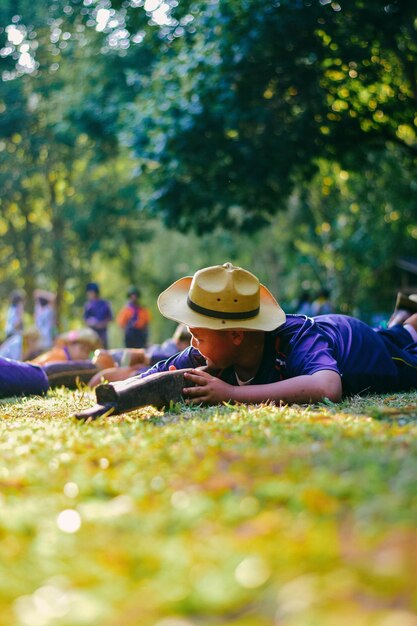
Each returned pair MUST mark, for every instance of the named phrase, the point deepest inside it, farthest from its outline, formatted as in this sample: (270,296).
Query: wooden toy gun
(158,390)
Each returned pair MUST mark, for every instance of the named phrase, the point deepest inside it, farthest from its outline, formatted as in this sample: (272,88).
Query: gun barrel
(96,411)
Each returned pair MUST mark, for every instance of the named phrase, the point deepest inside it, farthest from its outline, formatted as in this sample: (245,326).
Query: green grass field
(250,516)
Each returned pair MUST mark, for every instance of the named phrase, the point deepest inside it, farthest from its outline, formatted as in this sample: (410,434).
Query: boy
(97,312)
(135,320)
(75,345)
(261,355)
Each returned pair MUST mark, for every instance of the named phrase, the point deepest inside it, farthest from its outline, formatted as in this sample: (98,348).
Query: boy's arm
(303,389)
(188,358)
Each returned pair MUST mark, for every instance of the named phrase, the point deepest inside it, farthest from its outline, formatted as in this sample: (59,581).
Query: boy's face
(218,347)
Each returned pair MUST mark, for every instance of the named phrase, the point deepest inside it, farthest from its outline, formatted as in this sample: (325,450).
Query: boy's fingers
(195,376)
(198,393)
(195,394)
(193,391)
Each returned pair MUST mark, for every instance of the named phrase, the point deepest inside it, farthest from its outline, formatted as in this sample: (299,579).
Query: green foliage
(345,229)
(246,100)
(240,515)
(232,115)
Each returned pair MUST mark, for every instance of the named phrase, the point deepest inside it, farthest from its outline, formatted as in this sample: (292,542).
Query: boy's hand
(208,388)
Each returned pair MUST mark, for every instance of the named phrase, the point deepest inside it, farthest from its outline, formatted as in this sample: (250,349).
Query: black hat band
(241,315)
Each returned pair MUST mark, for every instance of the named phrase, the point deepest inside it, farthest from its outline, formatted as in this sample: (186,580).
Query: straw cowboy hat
(221,297)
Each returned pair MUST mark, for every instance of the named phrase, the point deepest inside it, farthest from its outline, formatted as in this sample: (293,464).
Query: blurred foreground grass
(250,516)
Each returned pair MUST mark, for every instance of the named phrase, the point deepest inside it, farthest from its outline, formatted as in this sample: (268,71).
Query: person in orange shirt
(134,319)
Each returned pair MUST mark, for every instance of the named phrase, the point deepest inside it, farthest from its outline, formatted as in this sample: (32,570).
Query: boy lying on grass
(260,354)
(34,375)
(75,345)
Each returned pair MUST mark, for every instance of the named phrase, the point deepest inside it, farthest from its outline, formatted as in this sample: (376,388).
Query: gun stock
(158,390)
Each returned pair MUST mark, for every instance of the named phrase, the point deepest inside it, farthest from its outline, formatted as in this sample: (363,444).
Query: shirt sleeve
(310,351)
(190,357)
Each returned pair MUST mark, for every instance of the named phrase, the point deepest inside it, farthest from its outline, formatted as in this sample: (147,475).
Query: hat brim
(172,303)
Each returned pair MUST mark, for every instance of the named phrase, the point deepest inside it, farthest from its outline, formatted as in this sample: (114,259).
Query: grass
(251,516)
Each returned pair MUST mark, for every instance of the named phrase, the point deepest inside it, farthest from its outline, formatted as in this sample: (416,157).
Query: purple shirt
(18,378)
(367,360)
(101,311)
(159,352)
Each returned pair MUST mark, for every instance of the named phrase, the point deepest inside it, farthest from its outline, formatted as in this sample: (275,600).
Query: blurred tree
(69,186)
(343,230)
(248,95)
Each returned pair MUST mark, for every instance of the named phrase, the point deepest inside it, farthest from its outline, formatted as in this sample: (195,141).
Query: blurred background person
(74,345)
(134,319)
(15,312)
(322,305)
(122,364)
(44,315)
(22,345)
(97,312)
(304,305)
